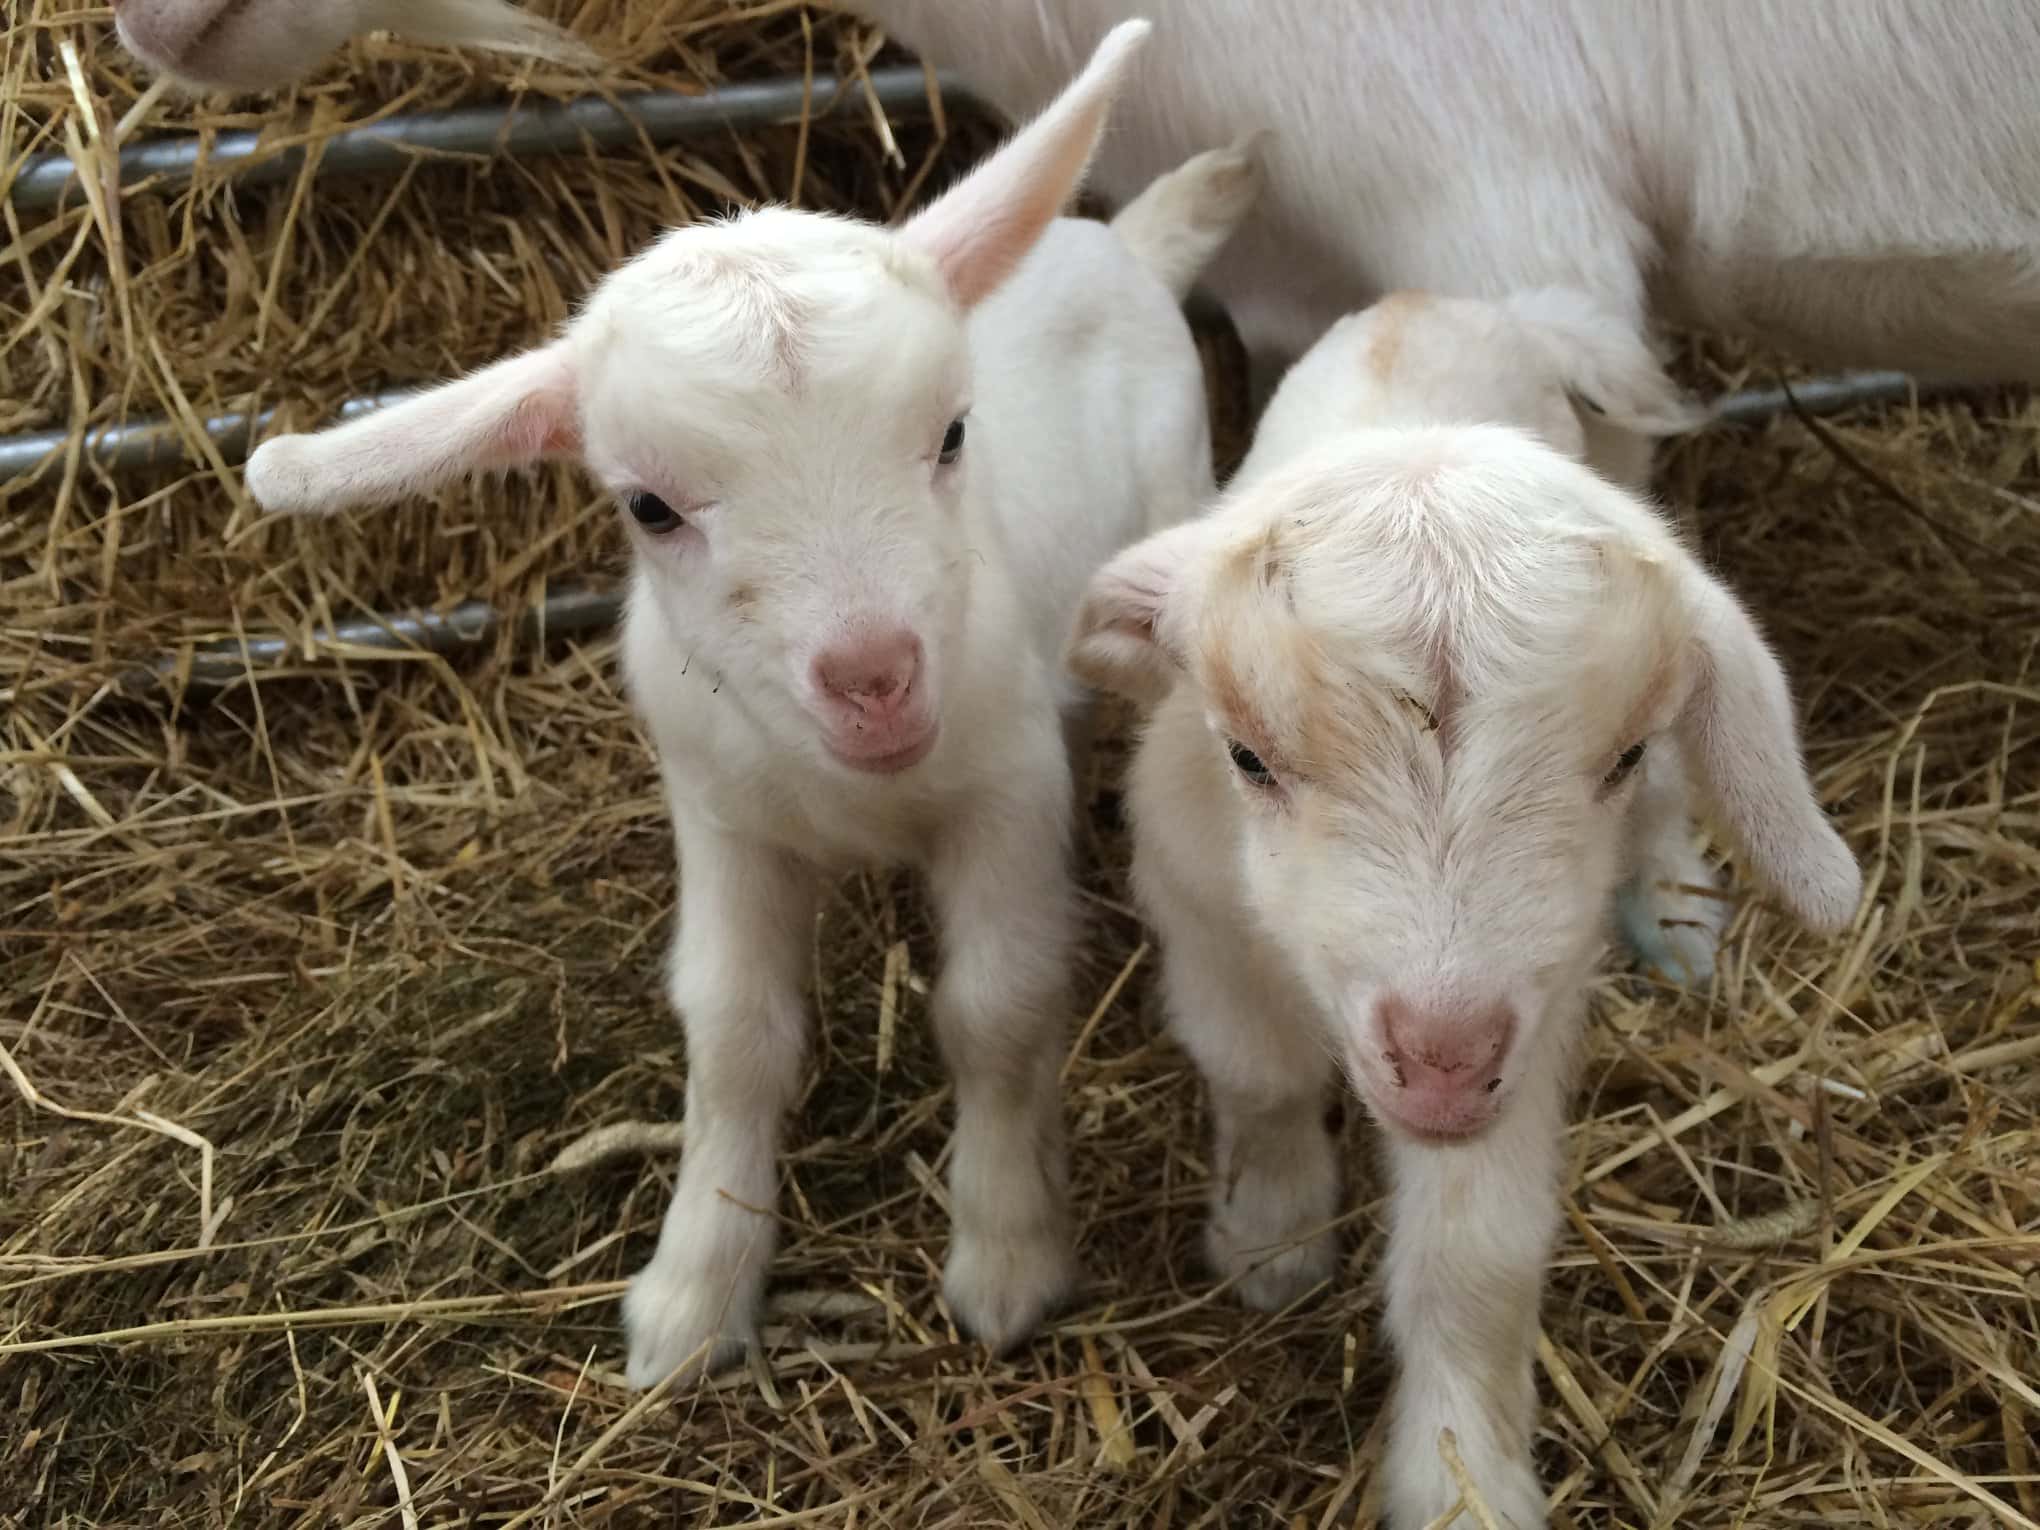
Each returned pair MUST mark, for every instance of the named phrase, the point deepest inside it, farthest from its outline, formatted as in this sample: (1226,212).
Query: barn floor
(306,985)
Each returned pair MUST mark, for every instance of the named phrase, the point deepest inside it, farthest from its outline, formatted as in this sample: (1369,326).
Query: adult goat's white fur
(866,475)
(1854,180)
(1424,691)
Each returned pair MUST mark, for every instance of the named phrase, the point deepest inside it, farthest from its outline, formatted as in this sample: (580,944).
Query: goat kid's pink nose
(873,676)
(1446,1051)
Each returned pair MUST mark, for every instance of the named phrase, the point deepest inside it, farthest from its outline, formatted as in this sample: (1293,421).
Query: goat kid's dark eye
(1249,764)
(952,443)
(653,513)
(1631,758)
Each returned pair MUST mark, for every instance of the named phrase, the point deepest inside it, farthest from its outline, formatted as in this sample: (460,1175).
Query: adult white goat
(1854,180)
(845,629)
(1424,691)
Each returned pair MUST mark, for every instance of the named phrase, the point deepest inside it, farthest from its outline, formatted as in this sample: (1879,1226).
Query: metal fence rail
(212,667)
(522,132)
(153,442)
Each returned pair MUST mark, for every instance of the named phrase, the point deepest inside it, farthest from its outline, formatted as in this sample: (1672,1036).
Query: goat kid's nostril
(1450,1049)
(872,678)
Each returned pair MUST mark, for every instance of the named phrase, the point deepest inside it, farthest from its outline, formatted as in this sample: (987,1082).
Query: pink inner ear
(547,424)
(982,228)
(511,414)
(977,235)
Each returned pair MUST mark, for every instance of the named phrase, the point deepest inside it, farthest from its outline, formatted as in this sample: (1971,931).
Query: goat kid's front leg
(1275,1166)
(1471,1232)
(746,921)
(1003,893)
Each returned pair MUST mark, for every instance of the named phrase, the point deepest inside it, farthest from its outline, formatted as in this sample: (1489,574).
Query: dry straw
(308,989)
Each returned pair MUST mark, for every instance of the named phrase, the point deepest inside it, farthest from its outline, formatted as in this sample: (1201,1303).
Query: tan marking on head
(740,600)
(1272,684)
(1239,610)
(1389,318)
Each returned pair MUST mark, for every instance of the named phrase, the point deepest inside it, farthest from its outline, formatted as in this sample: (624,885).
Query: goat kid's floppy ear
(1738,728)
(1607,363)
(516,413)
(1123,640)
(982,227)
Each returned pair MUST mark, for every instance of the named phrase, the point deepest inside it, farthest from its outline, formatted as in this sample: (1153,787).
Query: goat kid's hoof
(679,1324)
(1510,1492)
(1672,933)
(1270,1271)
(1000,1288)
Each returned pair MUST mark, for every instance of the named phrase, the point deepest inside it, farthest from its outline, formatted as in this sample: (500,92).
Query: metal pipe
(1831,395)
(214,666)
(150,442)
(153,442)
(662,116)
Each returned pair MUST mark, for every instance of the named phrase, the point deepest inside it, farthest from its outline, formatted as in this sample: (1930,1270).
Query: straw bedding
(306,988)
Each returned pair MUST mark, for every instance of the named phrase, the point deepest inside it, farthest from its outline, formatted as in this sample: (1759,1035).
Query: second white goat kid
(866,474)
(1419,689)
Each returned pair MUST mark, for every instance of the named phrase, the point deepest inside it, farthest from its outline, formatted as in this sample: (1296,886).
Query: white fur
(1854,180)
(785,382)
(247,45)
(1441,630)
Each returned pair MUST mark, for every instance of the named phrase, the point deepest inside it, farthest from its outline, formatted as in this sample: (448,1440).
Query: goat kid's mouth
(886,759)
(1442,1123)
(1436,1116)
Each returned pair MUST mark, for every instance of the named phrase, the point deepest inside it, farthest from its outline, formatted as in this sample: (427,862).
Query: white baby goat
(1423,693)
(845,629)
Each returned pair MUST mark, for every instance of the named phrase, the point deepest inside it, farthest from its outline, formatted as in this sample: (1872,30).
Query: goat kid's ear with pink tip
(527,409)
(982,227)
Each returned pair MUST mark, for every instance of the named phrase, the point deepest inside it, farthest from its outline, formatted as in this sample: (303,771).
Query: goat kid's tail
(1180,223)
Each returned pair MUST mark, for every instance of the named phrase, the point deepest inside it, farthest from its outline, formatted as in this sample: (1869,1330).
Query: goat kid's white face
(794,497)
(1432,663)
(781,406)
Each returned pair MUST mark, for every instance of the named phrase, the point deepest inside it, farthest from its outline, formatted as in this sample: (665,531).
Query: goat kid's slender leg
(1471,1232)
(1002,889)
(1275,1170)
(746,921)
(1671,915)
